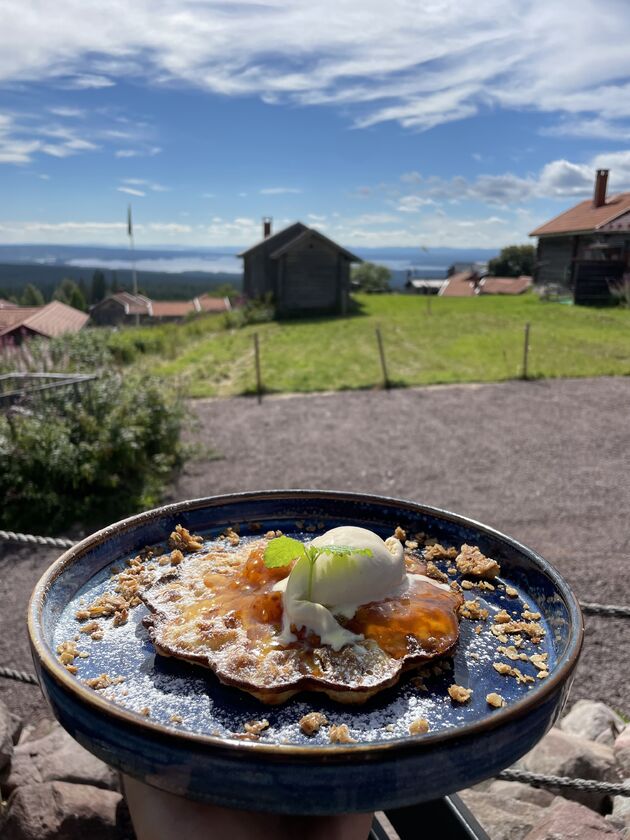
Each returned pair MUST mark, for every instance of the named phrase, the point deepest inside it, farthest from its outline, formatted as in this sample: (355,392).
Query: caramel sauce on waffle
(421,622)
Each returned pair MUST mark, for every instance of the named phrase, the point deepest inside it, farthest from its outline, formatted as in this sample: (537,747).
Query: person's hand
(157,815)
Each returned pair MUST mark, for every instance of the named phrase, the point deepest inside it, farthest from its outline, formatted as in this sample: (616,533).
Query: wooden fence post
(381,351)
(525,352)
(259,390)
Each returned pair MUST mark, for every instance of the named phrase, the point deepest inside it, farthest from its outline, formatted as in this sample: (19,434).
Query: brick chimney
(267,225)
(601,180)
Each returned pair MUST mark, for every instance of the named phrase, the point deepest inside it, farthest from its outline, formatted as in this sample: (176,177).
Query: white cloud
(65,111)
(88,81)
(413,203)
(131,191)
(141,182)
(279,190)
(419,64)
(151,151)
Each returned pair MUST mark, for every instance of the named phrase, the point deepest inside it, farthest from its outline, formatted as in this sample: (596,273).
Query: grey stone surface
(62,811)
(57,757)
(619,818)
(6,736)
(502,817)
(565,820)
(562,754)
(593,720)
(518,790)
(621,751)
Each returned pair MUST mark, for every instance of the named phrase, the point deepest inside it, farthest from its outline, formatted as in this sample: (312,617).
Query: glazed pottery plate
(174,726)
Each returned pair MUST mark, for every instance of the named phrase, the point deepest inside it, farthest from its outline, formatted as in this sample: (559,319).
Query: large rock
(518,790)
(57,757)
(502,817)
(6,736)
(562,754)
(620,816)
(62,811)
(566,820)
(621,752)
(594,721)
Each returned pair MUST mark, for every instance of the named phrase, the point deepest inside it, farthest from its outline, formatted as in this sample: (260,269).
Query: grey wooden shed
(304,271)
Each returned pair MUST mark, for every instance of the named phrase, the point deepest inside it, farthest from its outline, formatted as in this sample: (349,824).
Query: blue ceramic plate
(204,755)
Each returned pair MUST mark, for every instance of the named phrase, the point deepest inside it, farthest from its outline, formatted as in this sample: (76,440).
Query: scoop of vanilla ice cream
(341,584)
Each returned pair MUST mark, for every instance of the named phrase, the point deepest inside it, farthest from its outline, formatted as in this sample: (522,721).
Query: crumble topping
(400,534)
(311,723)
(255,727)
(66,653)
(103,681)
(532,629)
(433,572)
(459,693)
(341,735)
(495,700)
(511,592)
(502,617)
(508,671)
(512,653)
(473,610)
(436,551)
(419,726)
(470,561)
(182,539)
(176,719)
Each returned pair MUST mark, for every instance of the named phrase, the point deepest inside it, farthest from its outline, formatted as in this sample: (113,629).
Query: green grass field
(459,340)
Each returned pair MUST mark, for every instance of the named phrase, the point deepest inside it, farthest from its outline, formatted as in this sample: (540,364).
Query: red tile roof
(53,319)
(504,285)
(207,303)
(172,308)
(459,285)
(584,217)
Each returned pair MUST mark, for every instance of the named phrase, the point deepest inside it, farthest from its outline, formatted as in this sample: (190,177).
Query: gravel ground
(545,461)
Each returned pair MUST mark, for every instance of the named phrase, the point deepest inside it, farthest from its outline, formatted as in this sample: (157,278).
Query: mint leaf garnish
(283,550)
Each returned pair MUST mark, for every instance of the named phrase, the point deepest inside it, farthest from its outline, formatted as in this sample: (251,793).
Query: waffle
(218,610)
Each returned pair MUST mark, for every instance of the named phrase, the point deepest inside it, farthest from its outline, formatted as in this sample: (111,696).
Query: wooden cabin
(300,269)
(586,249)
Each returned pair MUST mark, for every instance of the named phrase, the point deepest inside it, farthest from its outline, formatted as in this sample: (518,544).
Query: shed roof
(504,285)
(6,304)
(207,303)
(172,308)
(310,233)
(585,217)
(459,285)
(132,304)
(299,227)
(299,233)
(53,319)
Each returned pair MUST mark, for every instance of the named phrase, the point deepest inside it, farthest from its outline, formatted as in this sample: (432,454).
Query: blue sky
(457,124)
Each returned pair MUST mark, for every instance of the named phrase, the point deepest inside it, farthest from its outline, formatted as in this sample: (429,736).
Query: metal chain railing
(536,779)
(55,542)
(544,780)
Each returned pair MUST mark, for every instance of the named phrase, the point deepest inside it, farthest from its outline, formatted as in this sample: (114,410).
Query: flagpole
(134,276)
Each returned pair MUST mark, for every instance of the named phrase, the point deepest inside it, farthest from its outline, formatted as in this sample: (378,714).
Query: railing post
(381,351)
(257,365)
(525,352)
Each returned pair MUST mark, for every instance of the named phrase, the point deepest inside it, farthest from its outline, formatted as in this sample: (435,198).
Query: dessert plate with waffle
(304,651)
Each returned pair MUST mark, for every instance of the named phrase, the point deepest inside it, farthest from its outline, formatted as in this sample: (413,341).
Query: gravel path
(546,462)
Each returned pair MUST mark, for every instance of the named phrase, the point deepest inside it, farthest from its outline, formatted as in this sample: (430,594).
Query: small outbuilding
(587,248)
(300,269)
(19,323)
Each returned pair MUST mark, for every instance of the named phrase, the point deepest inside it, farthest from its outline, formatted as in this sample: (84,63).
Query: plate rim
(282,752)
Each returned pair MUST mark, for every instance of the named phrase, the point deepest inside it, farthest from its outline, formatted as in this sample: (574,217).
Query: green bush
(253,312)
(92,460)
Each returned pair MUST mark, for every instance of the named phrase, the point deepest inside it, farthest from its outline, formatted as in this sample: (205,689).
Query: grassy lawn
(459,340)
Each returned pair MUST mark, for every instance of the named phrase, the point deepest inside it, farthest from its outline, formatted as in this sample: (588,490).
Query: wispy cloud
(421,65)
(131,191)
(66,111)
(142,182)
(150,151)
(279,191)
